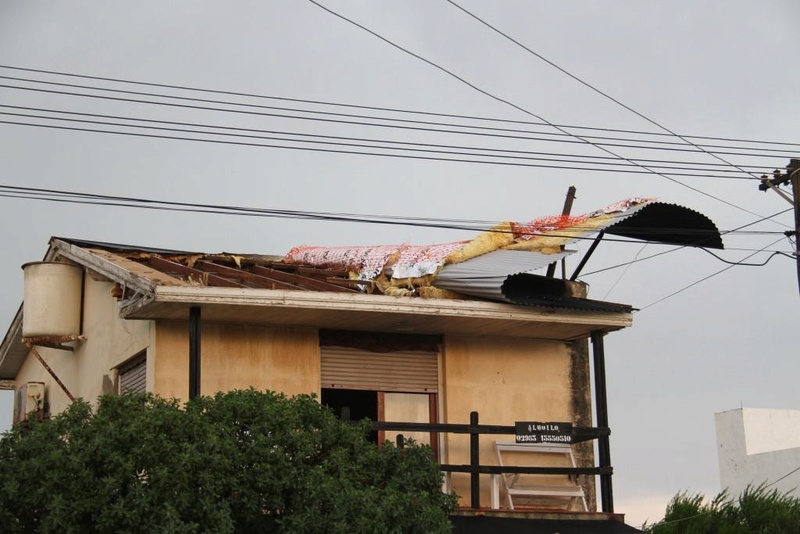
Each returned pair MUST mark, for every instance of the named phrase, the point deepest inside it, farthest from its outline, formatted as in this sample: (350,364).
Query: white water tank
(52,305)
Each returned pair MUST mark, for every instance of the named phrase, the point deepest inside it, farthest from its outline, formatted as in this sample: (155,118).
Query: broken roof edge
(375,313)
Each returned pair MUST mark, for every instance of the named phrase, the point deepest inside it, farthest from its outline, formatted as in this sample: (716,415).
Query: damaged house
(424,334)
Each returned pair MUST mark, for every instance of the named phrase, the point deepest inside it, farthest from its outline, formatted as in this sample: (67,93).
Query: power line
(388,109)
(742,264)
(335,151)
(753,152)
(58,195)
(387,145)
(793,471)
(232,128)
(592,87)
(674,163)
(519,108)
(662,299)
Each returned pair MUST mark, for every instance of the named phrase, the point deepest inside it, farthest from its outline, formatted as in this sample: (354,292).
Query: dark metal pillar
(601,404)
(194,352)
(474,461)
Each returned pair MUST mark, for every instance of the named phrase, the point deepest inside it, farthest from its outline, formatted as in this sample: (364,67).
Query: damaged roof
(461,288)
(465,269)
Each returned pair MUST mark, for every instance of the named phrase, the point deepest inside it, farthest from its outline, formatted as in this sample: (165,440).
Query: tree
(757,510)
(237,462)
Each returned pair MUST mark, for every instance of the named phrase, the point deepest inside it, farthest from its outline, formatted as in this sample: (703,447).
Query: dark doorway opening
(353,405)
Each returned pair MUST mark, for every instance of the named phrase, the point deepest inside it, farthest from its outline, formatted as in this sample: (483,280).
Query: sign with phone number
(543,432)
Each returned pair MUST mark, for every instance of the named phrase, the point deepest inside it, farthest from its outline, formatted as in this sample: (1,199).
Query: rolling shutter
(407,371)
(133,375)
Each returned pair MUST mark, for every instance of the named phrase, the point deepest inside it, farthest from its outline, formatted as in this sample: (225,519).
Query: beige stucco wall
(504,380)
(237,357)
(90,370)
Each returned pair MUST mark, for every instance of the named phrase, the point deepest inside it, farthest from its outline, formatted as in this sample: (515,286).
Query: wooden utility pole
(551,270)
(792,176)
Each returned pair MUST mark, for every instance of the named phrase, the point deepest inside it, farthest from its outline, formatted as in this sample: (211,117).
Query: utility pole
(792,176)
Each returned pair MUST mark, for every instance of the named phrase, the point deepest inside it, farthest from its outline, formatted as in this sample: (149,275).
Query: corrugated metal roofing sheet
(484,276)
(534,290)
(667,223)
(639,218)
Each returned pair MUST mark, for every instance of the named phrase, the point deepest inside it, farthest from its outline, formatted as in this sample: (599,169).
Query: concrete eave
(380,313)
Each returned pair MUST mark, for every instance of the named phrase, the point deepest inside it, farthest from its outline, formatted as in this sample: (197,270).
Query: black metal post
(194,352)
(474,460)
(601,403)
(586,256)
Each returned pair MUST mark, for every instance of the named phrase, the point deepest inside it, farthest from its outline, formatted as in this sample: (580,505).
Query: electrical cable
(715,274)
(793,471)
(577,140)
(278,132)
(740,263)
(627,268)
(696,174)
(388,109)
(336,151)
(519,108)
(35,193)
(592,87)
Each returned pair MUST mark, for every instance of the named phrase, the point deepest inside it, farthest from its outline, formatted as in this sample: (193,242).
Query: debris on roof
(464,269)
(406,269)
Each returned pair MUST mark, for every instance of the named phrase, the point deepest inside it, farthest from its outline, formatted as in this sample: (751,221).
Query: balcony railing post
(601,404)
(474,460)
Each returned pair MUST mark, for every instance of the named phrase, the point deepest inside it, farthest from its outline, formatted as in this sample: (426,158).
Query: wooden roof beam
(263,282)
(206,278)
(304,281)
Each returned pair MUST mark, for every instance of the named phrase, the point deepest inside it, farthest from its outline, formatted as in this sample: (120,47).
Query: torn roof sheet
(638,218)
(405,261)
(481,266)
(484,276)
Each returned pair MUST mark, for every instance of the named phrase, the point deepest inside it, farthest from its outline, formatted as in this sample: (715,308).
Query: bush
(757,510)
(236,462)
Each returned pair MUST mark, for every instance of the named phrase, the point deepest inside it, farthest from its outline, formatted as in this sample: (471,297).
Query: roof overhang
(12,351)
(378,313)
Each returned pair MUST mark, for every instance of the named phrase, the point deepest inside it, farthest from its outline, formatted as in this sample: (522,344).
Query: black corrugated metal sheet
(532,290)
(672,224)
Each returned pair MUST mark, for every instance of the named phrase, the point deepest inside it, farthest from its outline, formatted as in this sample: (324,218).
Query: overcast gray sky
(722,69)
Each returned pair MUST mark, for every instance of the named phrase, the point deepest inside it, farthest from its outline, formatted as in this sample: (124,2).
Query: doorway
(353,405)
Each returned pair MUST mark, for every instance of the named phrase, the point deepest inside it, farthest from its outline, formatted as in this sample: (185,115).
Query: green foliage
(238,462)
(758,510)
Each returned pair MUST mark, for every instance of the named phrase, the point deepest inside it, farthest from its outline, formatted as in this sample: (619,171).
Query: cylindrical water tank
(52,305)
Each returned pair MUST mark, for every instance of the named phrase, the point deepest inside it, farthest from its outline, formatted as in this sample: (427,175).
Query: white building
(755,446)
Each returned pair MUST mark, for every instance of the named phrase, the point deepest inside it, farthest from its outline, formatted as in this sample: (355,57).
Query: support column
(601,406)
(194,352)
(474,461)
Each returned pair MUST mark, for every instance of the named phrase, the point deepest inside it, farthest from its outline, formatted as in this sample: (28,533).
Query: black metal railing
(475,469)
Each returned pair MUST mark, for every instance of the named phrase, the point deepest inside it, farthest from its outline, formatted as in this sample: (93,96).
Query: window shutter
(133,375)
(406,371)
